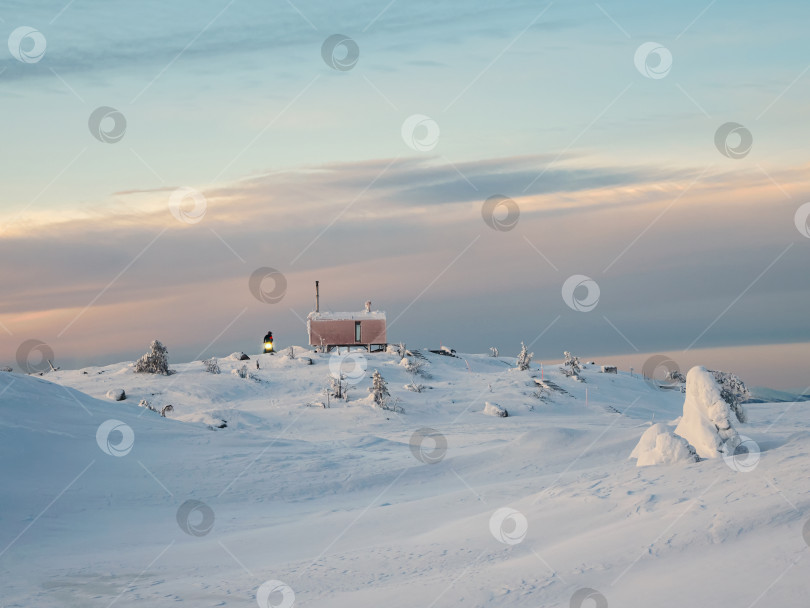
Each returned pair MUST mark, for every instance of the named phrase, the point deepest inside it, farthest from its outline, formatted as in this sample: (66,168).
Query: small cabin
(328,330)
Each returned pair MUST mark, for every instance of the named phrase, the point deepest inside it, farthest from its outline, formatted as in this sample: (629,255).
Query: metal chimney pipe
(317,298)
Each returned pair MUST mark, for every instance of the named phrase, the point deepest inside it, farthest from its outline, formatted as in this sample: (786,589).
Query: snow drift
(659,445)
(106,503)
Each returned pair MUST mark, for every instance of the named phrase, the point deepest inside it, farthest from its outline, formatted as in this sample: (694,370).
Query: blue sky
(304,169)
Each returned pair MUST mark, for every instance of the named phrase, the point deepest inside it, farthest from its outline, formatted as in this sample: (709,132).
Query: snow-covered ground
(357,506)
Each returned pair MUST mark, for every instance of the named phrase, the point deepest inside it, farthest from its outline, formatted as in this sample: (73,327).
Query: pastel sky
(613,161)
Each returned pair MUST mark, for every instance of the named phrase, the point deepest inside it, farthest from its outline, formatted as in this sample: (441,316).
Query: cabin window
(357,331)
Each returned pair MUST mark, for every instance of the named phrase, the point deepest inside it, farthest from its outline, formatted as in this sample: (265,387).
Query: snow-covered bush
(166,409)
(659,445)
(242,372)
(493,409)
(734,392)
(524,358)
(493,351)
(212,366)
(415,367)
(116,394)
(675,376)
(6,369)
(291,352)
(706,420)
(238,356)
(156,361)
(147,405)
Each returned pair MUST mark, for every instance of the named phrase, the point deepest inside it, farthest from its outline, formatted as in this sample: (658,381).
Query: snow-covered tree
(338,387)
(379,388)
(572,362)
(571,366)
(707,418)
(212,366)
(524,358)
(734,392)
(156,361)
(493,351)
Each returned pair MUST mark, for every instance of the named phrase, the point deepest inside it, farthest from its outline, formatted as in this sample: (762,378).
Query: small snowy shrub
(6,369)
(166,409)
(212,366)
(242,372)
(415,367)
(493,351)
(156,361)
(524,358)
(147,405)
(291,352)
(493,409)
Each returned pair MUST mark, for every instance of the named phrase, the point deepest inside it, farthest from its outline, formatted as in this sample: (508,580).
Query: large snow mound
(659,445)
(706,421)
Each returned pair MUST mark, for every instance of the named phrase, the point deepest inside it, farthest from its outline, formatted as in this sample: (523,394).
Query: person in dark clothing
(268,342)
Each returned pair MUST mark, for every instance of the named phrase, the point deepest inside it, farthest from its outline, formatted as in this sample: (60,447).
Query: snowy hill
(761,394)
(354,505)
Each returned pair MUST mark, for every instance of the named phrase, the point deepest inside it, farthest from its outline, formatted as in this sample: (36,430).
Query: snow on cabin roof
(346,316)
